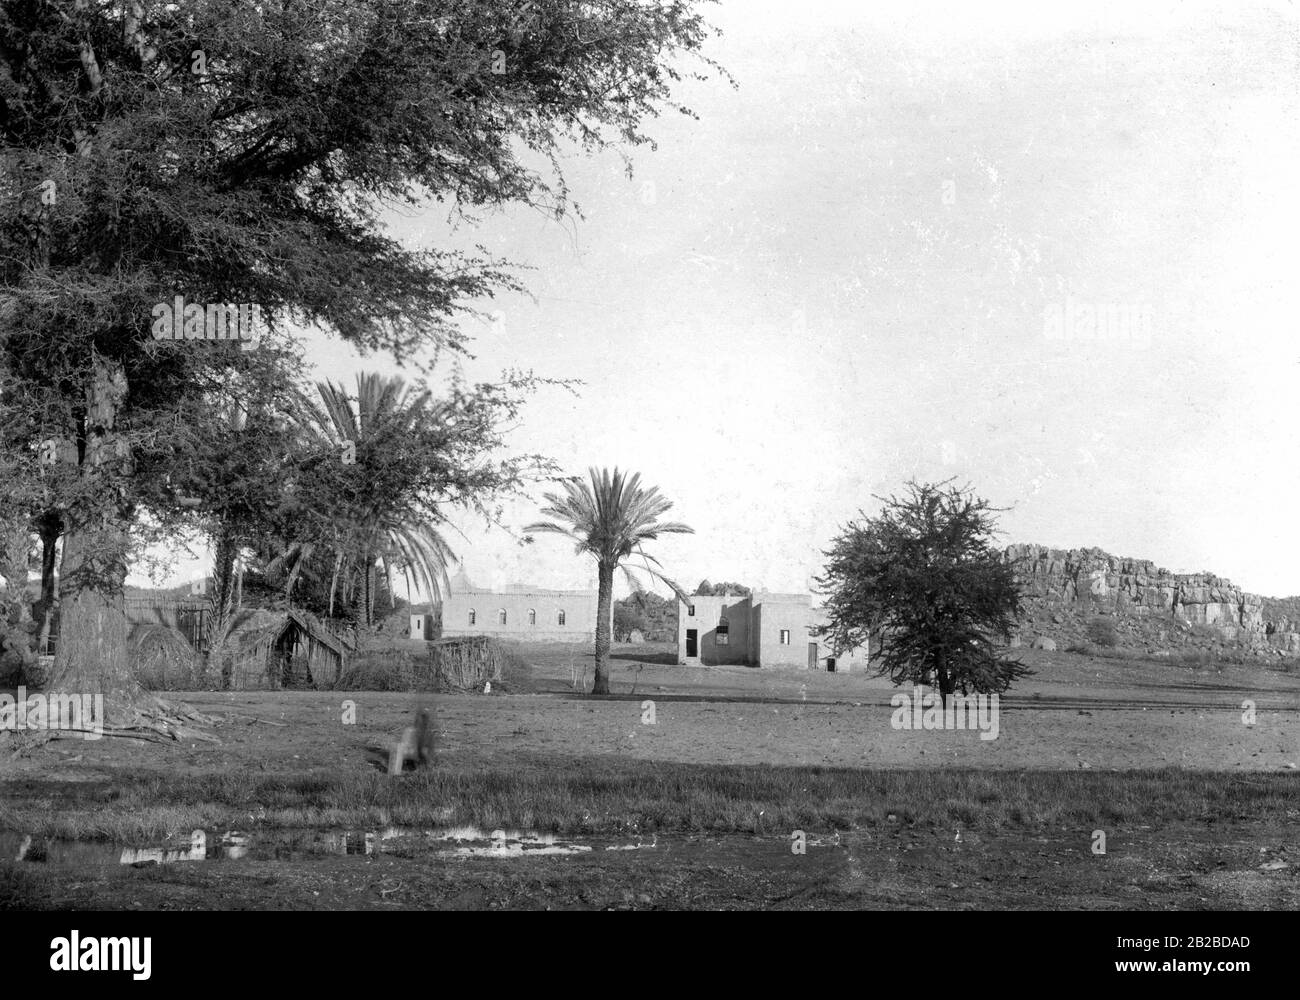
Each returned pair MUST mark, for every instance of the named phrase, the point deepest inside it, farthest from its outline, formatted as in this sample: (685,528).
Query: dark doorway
(692,642)
(830,664)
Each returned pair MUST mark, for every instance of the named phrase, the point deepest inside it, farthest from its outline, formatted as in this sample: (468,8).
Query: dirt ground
(1169,869)
(1076,712)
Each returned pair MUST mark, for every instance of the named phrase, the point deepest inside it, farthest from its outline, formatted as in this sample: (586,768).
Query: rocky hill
(1069,593)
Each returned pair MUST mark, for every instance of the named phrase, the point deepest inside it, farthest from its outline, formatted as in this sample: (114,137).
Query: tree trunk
(334,580)
(369,594)
(92,656)
(223,597)
(15,552)
(604,615)
(945,681)
(50,525)
(16,656)
(92,652)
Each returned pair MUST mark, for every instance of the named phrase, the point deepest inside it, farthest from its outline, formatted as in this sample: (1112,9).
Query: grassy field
(699,807)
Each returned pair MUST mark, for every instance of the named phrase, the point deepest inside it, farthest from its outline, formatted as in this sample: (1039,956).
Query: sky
(875,260)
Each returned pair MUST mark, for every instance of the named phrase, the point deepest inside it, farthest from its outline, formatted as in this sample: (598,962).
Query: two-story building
(766,630)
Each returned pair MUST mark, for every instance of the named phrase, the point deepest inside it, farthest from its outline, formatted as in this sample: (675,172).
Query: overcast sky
(844,275)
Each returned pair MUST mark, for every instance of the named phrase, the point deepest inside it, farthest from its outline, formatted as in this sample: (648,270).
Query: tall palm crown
(610,518)
(386,412)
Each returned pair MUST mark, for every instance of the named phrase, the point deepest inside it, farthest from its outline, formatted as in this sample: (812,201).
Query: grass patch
(21,888)
(617,796)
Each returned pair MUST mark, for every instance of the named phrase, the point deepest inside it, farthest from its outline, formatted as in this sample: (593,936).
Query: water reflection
(197,851)
(284,845)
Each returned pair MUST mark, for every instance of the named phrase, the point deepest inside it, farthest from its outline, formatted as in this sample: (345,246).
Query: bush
(446,665)
(1101,632)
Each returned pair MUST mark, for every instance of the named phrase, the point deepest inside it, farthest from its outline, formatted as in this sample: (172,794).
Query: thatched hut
(162,658)
(291,648)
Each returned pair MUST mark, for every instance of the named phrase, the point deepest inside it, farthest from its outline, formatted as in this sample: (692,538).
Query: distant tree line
(706,589)
(655,617)
(646,612)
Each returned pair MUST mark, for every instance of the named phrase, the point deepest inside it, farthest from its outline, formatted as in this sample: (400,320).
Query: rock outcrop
(1064,589)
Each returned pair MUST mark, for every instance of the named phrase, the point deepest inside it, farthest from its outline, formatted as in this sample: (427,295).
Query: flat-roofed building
(519,611)
(766,630)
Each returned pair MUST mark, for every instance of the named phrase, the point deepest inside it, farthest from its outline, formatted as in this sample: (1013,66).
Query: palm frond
(610,515)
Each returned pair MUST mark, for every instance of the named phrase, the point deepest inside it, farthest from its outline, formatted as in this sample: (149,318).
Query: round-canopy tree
(924,578)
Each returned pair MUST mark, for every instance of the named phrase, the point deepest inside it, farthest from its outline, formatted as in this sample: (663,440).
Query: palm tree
(370,531)
(609,519)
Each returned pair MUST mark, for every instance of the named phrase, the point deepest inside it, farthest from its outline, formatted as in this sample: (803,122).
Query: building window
(532,617)
(722,634)
(785,637)
(501,617)
(690,610)
(559,619)
(473,617)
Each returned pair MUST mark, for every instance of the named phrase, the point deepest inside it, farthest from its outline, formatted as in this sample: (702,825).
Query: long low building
(518,612)
(766,630)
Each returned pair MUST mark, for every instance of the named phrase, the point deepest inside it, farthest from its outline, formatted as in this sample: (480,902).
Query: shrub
(462,664)
(1101,632)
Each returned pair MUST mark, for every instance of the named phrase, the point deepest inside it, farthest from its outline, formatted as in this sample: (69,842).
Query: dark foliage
(924,580)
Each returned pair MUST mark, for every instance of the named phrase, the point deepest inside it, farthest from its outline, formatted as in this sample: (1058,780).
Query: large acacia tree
(925,581)
(610,518)
(241,151)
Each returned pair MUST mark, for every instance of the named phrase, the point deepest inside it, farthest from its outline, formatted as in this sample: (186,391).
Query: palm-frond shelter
(290,648)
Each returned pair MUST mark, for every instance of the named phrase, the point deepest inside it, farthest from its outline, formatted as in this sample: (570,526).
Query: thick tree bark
(15,599)
(92,655)
(604,617)
(50,526)
(15,551)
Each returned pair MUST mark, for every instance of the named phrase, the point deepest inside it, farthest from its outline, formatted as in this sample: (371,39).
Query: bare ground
(1076,714)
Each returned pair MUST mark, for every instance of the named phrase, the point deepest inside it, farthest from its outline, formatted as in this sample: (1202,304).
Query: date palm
(610,519)
(376,526)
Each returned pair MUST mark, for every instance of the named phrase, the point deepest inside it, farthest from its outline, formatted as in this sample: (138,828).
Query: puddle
(290,845)
(397,841)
